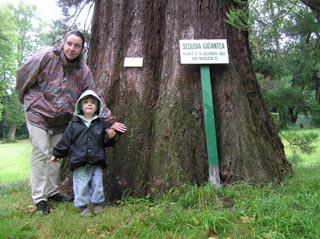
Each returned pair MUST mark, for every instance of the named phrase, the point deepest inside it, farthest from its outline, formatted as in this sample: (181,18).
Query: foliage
(14,111)
(72,9)
(286,56)
(304,142)
(284,39)
(8,44)
(269,67)
(239,17)
(315,115)
(286,100)
(24,16)
(302,52)
(20,36)
(285,96)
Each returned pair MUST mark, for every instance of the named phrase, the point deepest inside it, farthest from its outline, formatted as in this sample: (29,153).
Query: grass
(14,161)
(240,211)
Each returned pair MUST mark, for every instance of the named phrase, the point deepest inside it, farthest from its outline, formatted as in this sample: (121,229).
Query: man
(48,85)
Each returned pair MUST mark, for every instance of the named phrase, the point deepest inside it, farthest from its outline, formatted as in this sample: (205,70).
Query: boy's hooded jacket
(48,86)
(84,145)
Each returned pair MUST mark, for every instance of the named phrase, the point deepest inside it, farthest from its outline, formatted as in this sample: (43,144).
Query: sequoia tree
(161,104)
(313,4)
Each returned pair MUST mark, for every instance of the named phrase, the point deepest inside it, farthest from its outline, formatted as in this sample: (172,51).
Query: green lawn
(239,211)
(15,161)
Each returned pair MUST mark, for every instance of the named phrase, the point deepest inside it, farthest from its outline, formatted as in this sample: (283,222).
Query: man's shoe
(43,207)
(60,198)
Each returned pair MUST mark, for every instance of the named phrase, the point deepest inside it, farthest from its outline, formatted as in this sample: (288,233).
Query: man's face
(72,47)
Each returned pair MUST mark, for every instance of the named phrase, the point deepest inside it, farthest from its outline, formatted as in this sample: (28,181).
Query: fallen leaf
(247,219)
(31,209)
(91,230)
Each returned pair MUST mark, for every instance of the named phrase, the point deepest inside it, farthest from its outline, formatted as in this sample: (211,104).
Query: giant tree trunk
(161,101)
(313,4)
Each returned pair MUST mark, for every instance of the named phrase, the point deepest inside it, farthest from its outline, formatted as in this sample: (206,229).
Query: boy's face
(89,105)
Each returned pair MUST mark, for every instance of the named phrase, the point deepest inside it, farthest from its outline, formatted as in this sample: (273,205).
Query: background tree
(24,18)
(161,102)
(72,12)
(22,34)
(14,115)
(8,43)
(284,39)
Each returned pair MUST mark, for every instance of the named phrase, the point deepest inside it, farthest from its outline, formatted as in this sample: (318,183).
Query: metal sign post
(210,126)
(206,52)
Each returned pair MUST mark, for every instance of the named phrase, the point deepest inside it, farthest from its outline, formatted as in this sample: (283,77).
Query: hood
(84,94)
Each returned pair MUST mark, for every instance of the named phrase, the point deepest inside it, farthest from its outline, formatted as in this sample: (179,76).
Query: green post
(207,102)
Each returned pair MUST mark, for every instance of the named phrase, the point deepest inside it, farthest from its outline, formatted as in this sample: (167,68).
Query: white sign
(133,61)
(211,51)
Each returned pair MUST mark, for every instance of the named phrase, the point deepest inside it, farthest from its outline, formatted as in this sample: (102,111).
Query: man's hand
(120,127)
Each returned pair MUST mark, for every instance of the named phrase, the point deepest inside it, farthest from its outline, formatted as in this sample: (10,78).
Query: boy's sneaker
(97,208)
(85,212)
(43,207)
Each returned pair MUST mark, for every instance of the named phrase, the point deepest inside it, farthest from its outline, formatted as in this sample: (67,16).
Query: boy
(83,142)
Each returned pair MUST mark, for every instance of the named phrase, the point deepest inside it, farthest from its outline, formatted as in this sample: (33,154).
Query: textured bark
(161,101)
(313,4)
(12,131)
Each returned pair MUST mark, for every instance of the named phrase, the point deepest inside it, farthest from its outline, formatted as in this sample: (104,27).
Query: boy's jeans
(43,175)
(88,185)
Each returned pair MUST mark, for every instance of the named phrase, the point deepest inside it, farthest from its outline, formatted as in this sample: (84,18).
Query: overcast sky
(48,9)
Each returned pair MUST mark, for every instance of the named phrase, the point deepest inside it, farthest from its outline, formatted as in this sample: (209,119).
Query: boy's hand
(53,159)
(111,133)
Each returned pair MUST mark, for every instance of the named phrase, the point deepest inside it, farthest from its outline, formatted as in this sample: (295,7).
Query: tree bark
(12,132)
(313,4)
(161,102)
